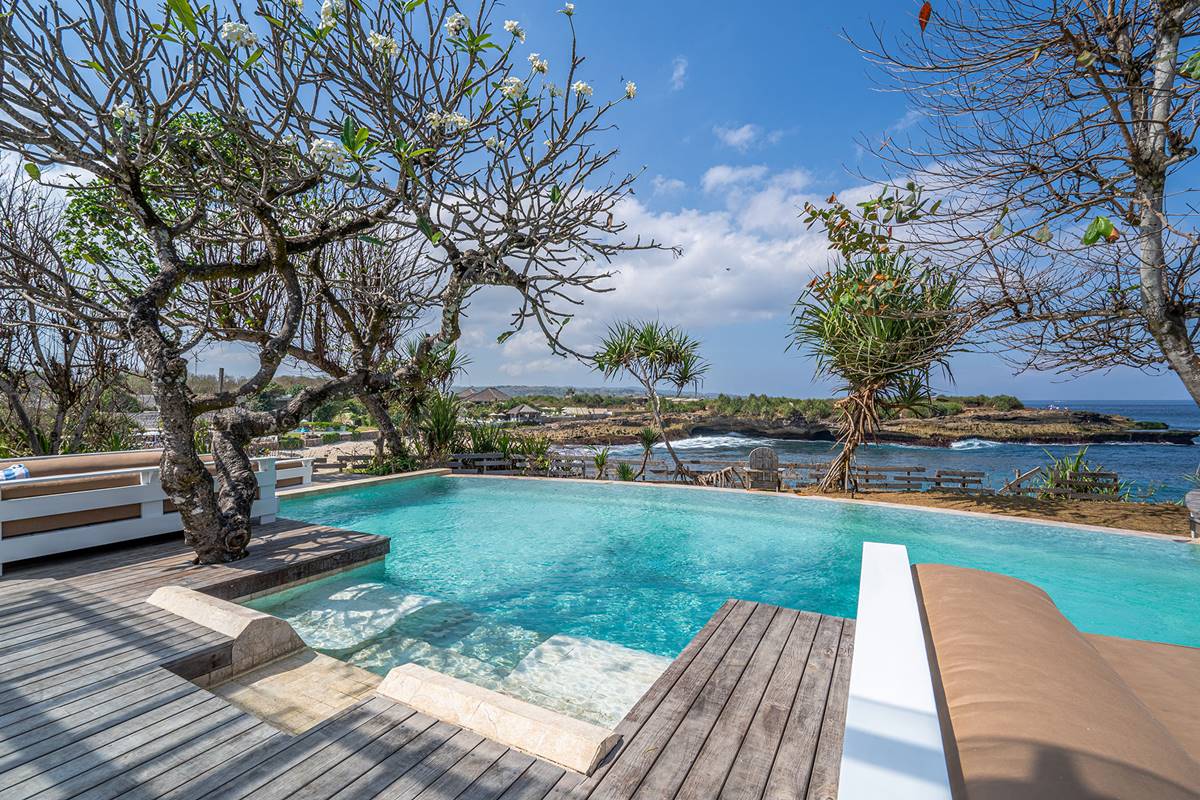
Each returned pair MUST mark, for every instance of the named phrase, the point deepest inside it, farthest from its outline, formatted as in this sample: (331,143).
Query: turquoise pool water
(511,563)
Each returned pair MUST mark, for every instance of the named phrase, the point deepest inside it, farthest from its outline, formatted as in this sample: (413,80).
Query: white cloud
(743,137)
(678,73)
(663,185)
(723,176)
(744,262)
(910,118)
(739,138)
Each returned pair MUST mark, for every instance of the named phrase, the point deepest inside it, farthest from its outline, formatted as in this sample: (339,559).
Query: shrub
(625,472)
(330,438)
(291,442)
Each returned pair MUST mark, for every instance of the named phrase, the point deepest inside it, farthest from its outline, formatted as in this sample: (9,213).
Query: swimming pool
(508,582)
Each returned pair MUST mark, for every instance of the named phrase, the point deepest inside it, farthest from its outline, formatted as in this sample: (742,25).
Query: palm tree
(655,355)
(880,323)
(647,438)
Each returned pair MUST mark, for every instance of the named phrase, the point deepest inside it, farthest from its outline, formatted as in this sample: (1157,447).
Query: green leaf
(372,240)
(555,194)
(95,65)
(1191,67)
(215,52)
(427,228)
(183,10)
(278,23)
(349,132)
(254,57)
(1101,230)
(1085,59)
(34,171)
(502,338)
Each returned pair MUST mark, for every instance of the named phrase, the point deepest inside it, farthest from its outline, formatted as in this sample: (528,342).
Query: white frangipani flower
(630,89)
(568,9)
(124,112)
(539,64)
(514,27)
(450,121)
(296,4)
(512,87)
(456,24)
(330,11)
(239,34)
(383,44)
(327,153)
(555,91)
(581,89)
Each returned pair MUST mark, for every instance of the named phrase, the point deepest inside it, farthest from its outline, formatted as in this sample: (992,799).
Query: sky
(743,112)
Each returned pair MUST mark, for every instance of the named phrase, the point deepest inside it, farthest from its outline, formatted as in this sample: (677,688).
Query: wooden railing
(729,473)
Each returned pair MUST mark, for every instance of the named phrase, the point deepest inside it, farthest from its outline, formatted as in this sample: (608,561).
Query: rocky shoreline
(1026,426)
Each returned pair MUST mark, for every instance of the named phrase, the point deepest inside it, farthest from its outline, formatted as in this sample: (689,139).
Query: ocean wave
(721,442)
(974,444)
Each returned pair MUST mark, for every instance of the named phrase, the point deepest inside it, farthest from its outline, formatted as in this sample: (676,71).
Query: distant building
(481,396)
(523,413)
(581,411)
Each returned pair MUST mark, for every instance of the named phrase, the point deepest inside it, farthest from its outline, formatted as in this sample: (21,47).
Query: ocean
(1156,472)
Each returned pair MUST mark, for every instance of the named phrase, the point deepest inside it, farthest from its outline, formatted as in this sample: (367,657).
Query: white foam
(585,678)
(974,444)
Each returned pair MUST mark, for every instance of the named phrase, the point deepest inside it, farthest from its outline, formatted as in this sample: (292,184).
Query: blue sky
(743,112)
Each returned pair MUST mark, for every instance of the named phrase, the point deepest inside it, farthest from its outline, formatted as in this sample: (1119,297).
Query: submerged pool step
(588,679)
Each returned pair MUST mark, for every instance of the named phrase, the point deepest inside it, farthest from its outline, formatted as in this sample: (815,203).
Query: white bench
(132,506)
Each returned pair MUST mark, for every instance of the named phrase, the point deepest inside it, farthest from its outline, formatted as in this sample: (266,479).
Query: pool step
(585,678)
(341,615)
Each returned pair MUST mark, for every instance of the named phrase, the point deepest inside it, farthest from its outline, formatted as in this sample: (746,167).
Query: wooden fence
(733,474)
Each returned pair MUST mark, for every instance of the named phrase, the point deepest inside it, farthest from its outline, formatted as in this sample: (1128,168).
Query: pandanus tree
(880,321)
(647,438)
(658,357)
(230,145)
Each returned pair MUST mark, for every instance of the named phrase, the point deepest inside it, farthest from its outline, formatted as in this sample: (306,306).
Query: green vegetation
(600,459)
(1075,473)
(657,357)
(880,321)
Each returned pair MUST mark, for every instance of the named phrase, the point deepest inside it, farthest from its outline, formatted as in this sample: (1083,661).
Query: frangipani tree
(1063,136)
(657,357)
(880,321)
(233,144)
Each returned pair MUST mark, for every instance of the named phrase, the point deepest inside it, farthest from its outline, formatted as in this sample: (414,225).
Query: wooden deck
(754,707)
(95,701)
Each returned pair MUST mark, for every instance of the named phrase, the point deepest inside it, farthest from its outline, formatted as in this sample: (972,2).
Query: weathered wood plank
(761,636)
(498,777)
(751,769)
(398,764)
(794,759)
(637,757)
(823,784)
(710,767)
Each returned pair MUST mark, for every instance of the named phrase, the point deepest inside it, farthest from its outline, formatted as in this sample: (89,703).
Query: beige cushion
(87,462)
(1036,712)
(1166,677)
